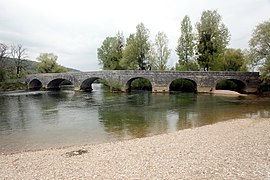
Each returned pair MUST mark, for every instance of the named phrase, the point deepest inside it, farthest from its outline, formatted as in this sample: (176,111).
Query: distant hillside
(30,66)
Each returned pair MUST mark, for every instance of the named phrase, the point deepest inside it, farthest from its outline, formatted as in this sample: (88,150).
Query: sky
(74,29)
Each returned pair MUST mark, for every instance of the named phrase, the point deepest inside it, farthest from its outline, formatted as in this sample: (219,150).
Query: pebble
(235,149)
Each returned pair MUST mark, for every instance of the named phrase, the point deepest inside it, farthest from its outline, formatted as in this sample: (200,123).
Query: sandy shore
(236,149)
(226,93)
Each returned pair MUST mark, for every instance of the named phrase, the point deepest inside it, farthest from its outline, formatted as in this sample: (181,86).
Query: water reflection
(125,115)
(13,116)
(53,119)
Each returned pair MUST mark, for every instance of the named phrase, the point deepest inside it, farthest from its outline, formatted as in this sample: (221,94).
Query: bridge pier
(160,88)
(77,88)
(201,89)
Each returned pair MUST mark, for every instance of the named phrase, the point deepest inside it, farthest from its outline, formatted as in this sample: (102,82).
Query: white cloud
(74,30)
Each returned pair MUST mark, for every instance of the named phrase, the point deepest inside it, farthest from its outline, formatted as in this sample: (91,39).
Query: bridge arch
(129,83)
(35,84)
(55,83)
(183,85)
(231,84)
(86,84)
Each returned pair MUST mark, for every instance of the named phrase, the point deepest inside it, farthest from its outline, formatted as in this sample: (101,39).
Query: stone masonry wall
(160,80)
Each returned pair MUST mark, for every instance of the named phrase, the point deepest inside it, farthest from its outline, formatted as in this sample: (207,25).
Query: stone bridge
(160,80)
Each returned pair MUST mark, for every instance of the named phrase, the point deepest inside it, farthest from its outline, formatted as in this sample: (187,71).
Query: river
(42,119)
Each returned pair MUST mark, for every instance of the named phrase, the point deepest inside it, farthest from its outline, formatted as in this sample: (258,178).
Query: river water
(38,120)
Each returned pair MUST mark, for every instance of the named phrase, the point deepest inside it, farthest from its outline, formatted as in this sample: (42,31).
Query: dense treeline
(200,47)
(203,47)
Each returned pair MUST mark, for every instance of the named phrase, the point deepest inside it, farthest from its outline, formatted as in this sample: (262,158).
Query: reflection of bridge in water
(160,80)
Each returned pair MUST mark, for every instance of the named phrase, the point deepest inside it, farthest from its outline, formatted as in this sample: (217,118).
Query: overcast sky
(74,29)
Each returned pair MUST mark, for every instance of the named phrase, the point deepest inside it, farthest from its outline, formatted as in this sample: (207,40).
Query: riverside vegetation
(202,49)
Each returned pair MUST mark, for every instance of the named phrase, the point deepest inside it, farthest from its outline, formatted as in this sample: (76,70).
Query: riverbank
(226,93)
(236,149)
(12,86)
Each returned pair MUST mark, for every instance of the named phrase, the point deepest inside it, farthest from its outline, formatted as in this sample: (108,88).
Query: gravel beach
(235,149)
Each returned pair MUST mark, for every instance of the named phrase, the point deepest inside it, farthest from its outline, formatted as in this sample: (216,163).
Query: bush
(8,86)
(265,83)
(2,75)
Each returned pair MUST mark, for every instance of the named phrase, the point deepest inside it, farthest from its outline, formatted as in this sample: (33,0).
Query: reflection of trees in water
(142,114)
(49,105)
(124,123)
(21,112)
(203,110)
(5,123)
(132,115)
(183,104)
(208,109)
(13,113)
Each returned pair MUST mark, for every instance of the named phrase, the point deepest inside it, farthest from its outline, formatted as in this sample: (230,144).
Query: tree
(160,52)
(130,53)
(48,64)
(138,49)
(111,52)
(212,39)
(231,60)
(185,47)
(18,52)
(250,59)
(3,55)
(260,46)
(141,38)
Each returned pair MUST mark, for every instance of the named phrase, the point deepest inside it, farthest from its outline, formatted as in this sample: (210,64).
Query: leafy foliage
(11,86)
(192,65)
(3,54)
(259,54)
(185,47)
(111,52)
(231,60)
(137,50)
(48,64)
(129,60)
(3,74)
(183,85)
(260,46)
(141,84)
(160,52)
(213,37)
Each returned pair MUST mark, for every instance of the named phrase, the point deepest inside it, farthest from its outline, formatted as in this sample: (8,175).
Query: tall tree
(137,49)
(185,47)
(3,55)
(213,37)
(252,62)
(48,64)
(260,46)
(111,52)
(143,45)
(18,52)
(130,54)
(160,52)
